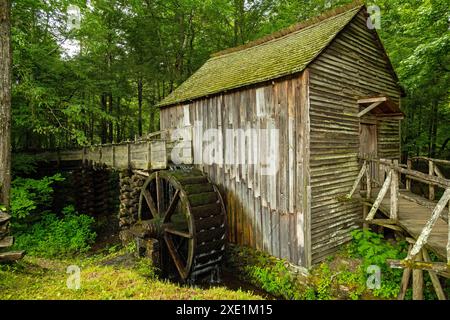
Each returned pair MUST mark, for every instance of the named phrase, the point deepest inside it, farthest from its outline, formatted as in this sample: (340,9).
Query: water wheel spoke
(159,193)
(179,263)
(179,233)
(173,205)
(150,203)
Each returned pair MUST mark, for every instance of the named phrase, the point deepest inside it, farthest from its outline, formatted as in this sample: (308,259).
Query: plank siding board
(352,67)
(295,214)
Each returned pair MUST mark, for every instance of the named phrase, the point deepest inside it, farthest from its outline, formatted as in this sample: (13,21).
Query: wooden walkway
(145,154)
(412,217)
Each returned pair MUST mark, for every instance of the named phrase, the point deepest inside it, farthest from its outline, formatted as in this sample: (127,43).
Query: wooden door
(369,146)
(368,140)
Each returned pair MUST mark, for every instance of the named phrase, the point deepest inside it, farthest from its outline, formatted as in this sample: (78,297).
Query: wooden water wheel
(186,212)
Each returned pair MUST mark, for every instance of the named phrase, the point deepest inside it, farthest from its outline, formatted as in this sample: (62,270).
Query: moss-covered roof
(275,58)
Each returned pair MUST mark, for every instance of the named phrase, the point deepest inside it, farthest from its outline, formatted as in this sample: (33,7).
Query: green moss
(38,278)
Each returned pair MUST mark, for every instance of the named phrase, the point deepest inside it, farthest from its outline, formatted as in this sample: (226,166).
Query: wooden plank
(417,284)
(11,256)
(380,197)
(434,278)
(372,100)
(368,109)
(6,242)
(284,237)
(431,194)
(394,196)
(425,234)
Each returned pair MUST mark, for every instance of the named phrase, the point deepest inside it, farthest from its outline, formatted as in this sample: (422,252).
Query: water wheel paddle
(185,210)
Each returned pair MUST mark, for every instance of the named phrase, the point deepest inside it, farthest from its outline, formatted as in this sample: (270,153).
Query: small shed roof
(280,55)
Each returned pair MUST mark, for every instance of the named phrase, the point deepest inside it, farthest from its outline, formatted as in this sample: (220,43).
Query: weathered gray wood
(417,284)
(4,217)
(369,108)
(358,179)
(448,233)
(405,280)
(439,267)
(11,256)
(394,196)
(6,242)
(404,283)
(380,197)
(408,180)
(431,191)
(434,278)
(372,100)
(422,240)
(436,161)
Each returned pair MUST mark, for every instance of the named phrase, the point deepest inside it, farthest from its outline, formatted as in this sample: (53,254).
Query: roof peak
(358,4)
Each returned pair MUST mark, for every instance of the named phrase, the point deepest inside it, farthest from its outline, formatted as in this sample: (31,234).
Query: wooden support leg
(365,212)
(434,278)
(405,281)
(418,281)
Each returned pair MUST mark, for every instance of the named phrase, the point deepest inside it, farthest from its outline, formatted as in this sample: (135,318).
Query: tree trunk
(119,123)
(110,123)
(5,101)
(104,123)
(140,88)
(434,127)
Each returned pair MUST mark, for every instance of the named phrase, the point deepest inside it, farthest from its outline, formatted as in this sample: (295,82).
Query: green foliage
(31,197)
(275,279)
(264,271)
(24,164)
(374,250)
(54,236)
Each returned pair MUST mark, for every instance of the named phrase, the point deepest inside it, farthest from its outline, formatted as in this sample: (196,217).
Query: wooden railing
(393,172)
(433,170)
(152,152)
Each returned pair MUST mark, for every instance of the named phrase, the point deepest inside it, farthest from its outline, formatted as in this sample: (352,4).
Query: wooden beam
(394,196)
(424,235)
(6,242)
(369,108)
(408,180)
(434,278)
(4,217)
(405,280)
(396,116)
(372,100)
(437,161)
(404,284)
(431,189)
(440,267)
(11,256)
(380,197)
(379,222)
(418,280)
(358,179)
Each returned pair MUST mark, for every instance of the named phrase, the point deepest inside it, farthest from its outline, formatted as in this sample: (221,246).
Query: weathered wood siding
(264,211)
(352,67)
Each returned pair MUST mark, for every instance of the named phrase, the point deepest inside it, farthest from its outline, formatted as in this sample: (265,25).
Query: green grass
(36,278)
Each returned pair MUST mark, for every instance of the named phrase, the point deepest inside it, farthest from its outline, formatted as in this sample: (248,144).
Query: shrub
(374,250)
(52,236)
(30,198)
(263,271)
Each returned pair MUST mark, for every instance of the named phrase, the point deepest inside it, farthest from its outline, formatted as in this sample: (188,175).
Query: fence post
(431,173)
(408,180)
(394,195)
